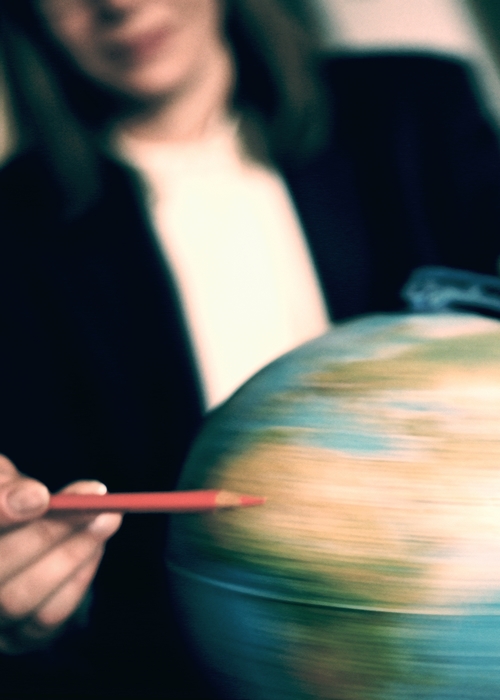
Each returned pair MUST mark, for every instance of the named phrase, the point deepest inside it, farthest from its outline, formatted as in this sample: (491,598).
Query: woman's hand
(47,562)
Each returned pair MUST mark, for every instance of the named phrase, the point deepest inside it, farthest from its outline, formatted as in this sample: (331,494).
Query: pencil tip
(227,499)
(252,500)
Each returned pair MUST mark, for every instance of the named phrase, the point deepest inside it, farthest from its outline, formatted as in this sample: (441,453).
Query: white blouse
(233,240)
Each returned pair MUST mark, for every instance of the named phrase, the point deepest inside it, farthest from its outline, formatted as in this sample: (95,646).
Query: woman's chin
(145,86)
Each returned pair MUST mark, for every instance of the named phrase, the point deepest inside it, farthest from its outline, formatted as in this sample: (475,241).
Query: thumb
(21,498)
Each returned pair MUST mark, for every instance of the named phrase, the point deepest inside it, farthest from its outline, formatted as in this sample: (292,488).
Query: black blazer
(96,372)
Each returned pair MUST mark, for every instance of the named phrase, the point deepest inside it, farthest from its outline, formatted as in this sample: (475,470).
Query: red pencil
(166,502)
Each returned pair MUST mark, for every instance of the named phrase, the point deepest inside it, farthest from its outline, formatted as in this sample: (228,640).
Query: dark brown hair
(61,112)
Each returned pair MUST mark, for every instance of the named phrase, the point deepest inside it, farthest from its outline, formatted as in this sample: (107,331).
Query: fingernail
(28,499)
(105,524)
(100,488)
(89,486)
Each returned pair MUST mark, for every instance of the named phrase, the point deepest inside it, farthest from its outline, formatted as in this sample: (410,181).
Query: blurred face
(142,48)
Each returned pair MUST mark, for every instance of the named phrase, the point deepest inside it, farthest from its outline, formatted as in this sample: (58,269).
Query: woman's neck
(191,111)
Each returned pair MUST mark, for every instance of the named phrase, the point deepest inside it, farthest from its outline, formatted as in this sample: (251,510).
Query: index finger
(21,498)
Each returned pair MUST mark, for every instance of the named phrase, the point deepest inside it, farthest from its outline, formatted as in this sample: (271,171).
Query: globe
(372,572)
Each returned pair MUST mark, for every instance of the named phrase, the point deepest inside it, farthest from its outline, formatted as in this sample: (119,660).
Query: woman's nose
(118,3)
(114,10)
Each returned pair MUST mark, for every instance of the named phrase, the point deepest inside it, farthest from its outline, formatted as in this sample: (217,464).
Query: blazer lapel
(326,198)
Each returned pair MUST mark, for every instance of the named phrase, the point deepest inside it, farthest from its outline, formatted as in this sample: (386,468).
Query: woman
(126,317)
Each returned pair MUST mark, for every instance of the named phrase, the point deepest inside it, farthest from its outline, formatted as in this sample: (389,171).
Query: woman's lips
(137,49)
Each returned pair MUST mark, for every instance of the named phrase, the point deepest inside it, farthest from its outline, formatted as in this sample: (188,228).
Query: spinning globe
(373,570)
